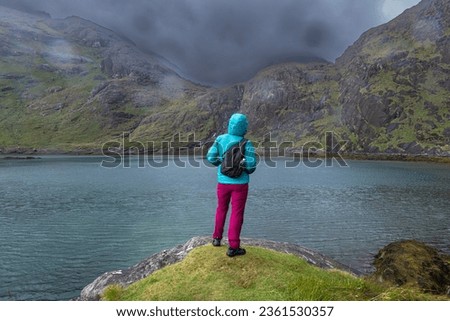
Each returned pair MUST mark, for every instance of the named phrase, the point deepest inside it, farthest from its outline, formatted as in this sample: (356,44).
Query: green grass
(176,116)
(29,119)
(377,47)
(260,275)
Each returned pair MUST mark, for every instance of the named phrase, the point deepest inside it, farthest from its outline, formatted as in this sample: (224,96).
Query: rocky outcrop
(290,100)
(394,85)
(413,263)
(158,261)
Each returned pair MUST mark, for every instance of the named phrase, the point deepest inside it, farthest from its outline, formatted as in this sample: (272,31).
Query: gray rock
(391,127)
(446,133)
(411,148)
(54,89)
(8,88)
(158,261)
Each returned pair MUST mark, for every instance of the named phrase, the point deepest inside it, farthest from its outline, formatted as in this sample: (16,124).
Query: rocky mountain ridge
(394,84)
(71,85)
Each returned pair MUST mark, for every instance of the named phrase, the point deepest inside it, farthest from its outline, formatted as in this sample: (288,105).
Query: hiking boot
(216,242)
(233,252)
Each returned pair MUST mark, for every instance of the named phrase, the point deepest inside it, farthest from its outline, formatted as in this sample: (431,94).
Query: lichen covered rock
(413,263)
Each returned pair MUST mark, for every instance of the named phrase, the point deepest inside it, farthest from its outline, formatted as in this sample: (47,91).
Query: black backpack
(232,159)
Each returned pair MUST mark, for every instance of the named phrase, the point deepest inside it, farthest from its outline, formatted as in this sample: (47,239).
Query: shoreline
(33,153)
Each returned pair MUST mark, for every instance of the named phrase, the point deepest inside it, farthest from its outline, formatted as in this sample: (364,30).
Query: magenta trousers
(237,193)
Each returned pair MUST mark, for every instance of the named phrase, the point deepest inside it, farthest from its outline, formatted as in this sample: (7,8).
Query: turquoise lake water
(66,220)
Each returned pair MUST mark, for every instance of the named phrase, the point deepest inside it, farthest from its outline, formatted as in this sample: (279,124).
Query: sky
(220,42)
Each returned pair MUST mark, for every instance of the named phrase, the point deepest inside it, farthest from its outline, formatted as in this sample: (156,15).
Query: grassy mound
(415,264)
(207,274)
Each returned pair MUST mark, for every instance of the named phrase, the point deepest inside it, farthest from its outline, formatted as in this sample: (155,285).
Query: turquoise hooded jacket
(237,128)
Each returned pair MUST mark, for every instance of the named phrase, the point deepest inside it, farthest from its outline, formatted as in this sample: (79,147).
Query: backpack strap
(242,146)
(242,143)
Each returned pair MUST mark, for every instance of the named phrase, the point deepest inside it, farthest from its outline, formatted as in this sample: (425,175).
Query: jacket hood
(238,125)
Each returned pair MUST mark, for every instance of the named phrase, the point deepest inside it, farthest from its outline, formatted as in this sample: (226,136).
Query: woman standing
(234,189)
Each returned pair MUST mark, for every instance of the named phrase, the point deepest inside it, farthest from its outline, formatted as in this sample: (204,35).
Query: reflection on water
(66,220)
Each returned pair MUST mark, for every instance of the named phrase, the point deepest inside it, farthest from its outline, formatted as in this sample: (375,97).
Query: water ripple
(64,221)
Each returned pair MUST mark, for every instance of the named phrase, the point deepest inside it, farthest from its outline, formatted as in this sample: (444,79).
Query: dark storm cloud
(225,41)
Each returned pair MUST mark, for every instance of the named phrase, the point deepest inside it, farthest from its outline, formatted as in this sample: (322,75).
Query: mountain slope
(72,85)
(394,85)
